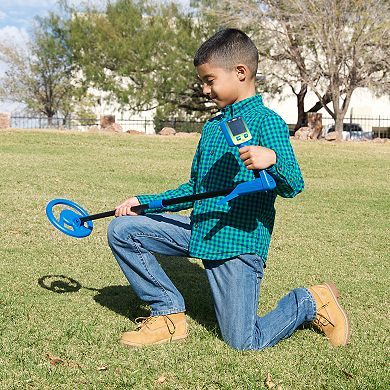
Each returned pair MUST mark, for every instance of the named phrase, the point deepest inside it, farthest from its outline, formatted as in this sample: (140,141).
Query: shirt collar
(242,106)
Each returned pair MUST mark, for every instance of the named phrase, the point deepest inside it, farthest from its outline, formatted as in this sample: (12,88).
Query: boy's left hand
(257,157)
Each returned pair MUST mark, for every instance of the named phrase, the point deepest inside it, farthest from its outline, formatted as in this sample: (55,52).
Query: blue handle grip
(156,204)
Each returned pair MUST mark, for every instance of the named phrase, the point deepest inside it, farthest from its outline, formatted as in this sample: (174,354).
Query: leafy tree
(331,47)
(140,54)
(39,75)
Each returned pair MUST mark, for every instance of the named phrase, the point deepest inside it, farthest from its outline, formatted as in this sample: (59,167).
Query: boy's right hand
(125,207)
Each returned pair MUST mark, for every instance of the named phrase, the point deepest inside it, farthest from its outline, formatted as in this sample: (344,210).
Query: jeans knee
(246,344)
(238,345)
(116,229)
(236,341)
(123,229)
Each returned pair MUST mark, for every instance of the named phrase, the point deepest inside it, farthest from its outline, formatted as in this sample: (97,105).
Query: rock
(5,120)
(136,132)
(114,127)
(302,133)
(184,134)
(331,136)
(106,120)
(93,128)
(314,121)
(313,130)
(107,123)
(379,140)
(167,131)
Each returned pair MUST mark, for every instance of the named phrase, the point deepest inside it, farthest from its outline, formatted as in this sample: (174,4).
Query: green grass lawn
(337,229)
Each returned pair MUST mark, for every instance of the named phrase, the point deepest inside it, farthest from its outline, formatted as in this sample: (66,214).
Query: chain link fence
(379,126)
(84,124)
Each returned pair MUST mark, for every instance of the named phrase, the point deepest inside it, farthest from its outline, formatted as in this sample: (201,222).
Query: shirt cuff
(277,169)
(147,199)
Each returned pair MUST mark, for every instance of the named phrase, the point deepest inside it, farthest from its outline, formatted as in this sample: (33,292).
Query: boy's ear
(242,72)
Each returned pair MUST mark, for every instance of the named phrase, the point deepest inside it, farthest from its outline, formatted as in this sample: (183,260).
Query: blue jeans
(234,283)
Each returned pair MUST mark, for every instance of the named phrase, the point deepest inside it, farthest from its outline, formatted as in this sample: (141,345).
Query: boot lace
(144,321)
(321,321)
(141,322)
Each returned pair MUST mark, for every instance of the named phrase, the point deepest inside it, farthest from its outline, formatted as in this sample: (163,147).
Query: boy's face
(222,86)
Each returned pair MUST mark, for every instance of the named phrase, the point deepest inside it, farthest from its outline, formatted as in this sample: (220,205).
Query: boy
(232,240)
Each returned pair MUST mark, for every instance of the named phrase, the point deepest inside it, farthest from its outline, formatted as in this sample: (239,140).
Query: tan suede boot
(331,318)
(157,330)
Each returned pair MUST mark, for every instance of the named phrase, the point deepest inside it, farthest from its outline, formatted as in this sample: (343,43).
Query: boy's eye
(210,81)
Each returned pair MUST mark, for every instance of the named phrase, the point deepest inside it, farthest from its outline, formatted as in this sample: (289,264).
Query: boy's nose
(206,89)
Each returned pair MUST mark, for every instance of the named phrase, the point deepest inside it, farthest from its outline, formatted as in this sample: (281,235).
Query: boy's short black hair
(227,48)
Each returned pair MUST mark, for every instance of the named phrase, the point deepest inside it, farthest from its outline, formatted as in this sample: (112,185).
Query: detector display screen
(237,127)
(236,131)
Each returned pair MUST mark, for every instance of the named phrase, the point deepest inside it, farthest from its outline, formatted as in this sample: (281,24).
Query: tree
(141,55)
(280,43)
(331,47)
(350,49)
(39,75)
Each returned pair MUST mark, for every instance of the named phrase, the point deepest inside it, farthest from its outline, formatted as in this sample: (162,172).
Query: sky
(16,19)
(16,16)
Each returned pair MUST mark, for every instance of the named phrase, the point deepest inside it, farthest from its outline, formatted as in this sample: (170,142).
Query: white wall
(128,119)
(363,105)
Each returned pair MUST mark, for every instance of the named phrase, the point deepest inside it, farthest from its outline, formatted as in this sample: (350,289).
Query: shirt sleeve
(185,189)
(286,172)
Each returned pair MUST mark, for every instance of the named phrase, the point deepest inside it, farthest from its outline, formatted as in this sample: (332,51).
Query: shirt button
(200,202)
(196,225)
(212,152)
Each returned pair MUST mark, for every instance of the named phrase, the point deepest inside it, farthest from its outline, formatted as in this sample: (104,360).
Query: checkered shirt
(245,224)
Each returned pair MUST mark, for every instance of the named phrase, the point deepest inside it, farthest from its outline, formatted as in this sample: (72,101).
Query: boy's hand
(257,157)
(125,207)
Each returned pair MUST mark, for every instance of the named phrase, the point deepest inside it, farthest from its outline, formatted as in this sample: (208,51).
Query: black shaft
(165,202)
(97,216)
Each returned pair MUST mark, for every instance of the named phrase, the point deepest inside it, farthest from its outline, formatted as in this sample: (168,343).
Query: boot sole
(138,345)
(336,294)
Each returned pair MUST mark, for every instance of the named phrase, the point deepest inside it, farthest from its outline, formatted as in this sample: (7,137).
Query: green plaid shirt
(245,224)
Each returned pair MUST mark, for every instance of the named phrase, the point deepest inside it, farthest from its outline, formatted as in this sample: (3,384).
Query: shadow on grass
(189,278)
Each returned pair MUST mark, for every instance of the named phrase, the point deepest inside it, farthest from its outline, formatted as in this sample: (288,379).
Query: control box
(235,131)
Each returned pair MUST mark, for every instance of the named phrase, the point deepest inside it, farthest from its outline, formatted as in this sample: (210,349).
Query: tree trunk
(339,126)
(340,114)
(302,115)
